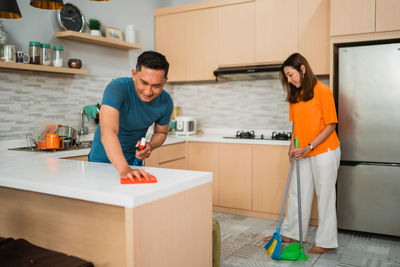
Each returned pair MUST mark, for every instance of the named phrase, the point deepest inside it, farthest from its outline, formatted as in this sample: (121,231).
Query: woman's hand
(145,153)
(301,152)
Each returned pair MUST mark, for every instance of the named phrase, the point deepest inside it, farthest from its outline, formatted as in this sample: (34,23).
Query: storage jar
(45,54)
(58,56)
(34,52)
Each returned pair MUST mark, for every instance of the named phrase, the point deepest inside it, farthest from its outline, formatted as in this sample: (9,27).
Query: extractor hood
(246,69)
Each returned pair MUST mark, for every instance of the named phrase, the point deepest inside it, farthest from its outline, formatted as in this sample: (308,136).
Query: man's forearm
(113,150)
(157,140)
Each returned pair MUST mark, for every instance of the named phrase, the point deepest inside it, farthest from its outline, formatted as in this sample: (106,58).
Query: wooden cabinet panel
(235,176)
(174,164)
(171,152)
(276,29)
(205,157)
(270,170)
(387,15)
(314,34)
(201,44)
(170,41)
(236,31)
(352,16)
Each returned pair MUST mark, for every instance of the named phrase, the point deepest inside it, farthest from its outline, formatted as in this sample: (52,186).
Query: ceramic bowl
(75,63)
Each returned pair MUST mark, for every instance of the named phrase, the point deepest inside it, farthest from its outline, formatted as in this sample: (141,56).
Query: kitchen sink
(82,145)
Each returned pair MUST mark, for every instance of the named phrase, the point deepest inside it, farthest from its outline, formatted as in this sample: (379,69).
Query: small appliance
(185,125)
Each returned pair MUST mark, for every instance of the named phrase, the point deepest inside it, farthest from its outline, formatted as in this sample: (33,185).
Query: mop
(295,251)
(273,246)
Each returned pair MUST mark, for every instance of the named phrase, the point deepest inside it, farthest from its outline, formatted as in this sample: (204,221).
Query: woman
(312,111)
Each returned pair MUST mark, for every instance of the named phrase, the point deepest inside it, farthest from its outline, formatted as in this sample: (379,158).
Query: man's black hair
(153,60)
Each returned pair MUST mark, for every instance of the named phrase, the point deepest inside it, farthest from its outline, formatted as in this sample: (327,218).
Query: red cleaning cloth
(142,180)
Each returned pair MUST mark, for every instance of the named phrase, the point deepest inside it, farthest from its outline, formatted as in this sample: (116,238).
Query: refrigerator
(367,94)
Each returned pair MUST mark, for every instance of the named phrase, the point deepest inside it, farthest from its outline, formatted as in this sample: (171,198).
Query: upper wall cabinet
(170,41)
(236,30)
(387,15)
(276,29)
(314,34)
(364,16)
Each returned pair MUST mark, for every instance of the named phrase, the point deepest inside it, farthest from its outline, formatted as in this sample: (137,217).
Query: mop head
(273,246)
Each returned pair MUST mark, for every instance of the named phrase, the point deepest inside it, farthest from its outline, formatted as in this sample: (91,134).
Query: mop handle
(286,190)
(299,196)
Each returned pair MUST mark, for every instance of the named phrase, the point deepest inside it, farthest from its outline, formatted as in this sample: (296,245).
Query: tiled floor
(242,246)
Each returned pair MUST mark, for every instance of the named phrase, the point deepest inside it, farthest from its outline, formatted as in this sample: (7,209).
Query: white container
(95,32)
(130,34)
(58,56)
(185,125)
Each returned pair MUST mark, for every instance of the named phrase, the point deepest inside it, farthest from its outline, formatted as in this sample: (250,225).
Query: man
(129,107)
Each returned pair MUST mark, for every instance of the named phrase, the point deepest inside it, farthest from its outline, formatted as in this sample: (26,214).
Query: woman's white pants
(320,173)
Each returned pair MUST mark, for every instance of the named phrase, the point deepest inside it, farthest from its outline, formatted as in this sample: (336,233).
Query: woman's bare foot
(318,250)
(284,239)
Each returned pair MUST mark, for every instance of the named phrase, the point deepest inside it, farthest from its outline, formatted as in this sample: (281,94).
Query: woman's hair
(307,80)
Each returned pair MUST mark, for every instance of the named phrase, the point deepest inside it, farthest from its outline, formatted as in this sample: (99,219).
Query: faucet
(84,129)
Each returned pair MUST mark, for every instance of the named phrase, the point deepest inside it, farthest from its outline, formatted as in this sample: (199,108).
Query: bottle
(139,162)
(58,56)
(34,52)
(45,54)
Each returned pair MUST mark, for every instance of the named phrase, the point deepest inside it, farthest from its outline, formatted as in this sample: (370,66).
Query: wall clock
(70,18)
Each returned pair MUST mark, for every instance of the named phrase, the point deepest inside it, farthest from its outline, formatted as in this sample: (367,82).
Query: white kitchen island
(80,208)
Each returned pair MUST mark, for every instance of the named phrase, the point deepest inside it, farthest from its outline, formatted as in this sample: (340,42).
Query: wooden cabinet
(170,41)
(313,42)
(235,176)
(201,44)
(387,15)
(276,29)
(205,157)
(236,30)
(352,16)
(171,156)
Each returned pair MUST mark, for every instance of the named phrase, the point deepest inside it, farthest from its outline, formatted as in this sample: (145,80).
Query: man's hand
(145,153)
(132,173)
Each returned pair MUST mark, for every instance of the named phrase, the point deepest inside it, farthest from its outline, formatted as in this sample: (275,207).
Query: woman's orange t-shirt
(311,117)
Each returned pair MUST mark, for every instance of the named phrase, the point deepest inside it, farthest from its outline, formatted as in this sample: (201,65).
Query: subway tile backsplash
(29,98)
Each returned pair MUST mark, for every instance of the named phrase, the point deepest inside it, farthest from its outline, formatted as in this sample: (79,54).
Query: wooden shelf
(42,68)
(96,40)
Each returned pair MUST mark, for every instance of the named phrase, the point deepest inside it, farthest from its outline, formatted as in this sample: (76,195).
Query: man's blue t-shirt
(135,117)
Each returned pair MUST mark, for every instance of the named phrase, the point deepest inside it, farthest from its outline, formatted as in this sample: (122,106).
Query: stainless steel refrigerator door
(368,103)
(368,199)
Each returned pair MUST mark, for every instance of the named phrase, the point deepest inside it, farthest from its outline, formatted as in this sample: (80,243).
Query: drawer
(171,152)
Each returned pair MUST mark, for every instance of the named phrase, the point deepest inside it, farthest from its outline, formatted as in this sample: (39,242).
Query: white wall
(41,25)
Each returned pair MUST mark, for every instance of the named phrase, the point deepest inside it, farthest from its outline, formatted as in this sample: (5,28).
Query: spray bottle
(139,162)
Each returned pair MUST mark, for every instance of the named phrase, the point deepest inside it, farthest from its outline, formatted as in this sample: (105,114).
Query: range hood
(246,69)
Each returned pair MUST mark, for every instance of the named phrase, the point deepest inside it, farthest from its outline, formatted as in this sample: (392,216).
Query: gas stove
(276,135)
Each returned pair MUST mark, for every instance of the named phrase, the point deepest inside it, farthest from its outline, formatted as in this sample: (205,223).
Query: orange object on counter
(41,145)
(53,141)
(142,180)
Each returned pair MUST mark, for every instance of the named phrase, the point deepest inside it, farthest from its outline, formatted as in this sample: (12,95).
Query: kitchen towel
(91,111)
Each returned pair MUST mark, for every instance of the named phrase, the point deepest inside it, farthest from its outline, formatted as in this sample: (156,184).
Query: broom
(295,251)
(273,246)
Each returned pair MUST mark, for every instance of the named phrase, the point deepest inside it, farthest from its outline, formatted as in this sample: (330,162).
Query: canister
(58,56)
(8,53)
(45,54)
(34,52)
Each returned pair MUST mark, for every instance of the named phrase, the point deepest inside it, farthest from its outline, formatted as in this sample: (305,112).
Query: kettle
(185,125)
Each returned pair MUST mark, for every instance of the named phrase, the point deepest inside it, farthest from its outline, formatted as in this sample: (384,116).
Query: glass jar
(58,56)
(34,52)
(45,54)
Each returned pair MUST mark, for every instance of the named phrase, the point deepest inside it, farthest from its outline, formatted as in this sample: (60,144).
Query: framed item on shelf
(70,18)
(113,32)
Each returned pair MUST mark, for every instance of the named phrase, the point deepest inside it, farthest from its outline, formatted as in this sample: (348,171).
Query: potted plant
(94,26)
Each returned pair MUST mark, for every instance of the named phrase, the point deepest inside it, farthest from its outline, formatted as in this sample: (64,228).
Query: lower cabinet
(235,176)
(171,156)
(205,157)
